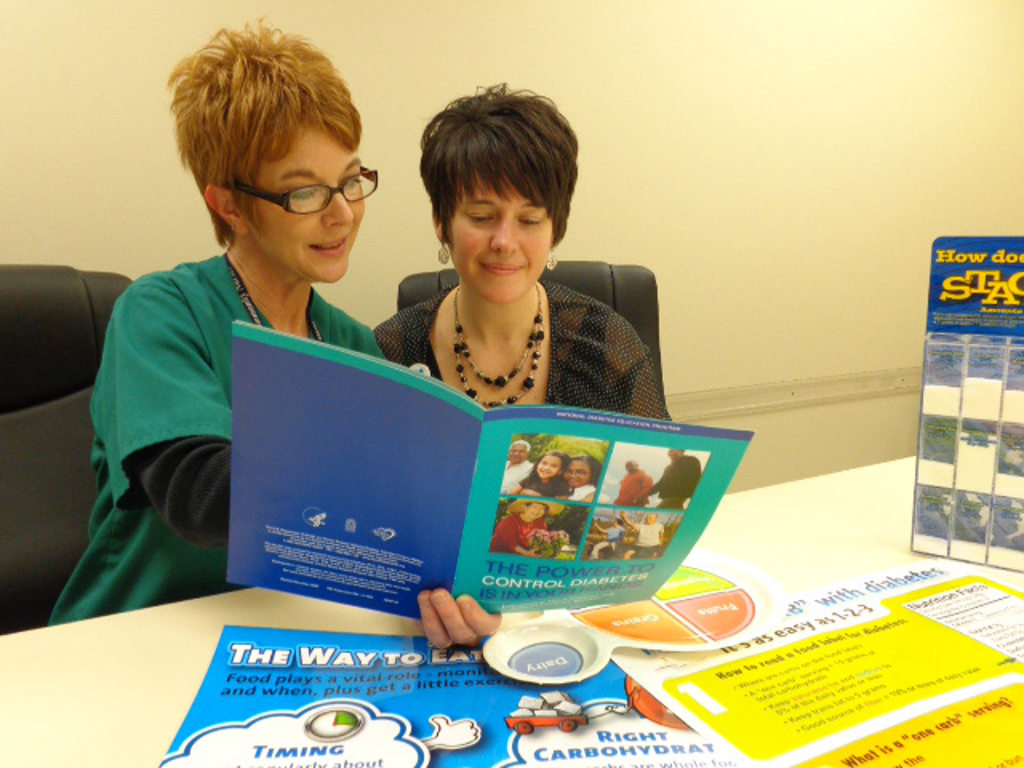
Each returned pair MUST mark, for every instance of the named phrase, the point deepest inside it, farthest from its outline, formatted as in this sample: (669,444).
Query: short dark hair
(503,140)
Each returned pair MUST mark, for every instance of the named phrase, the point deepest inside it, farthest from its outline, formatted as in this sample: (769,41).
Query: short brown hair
(243,98)
(503,140)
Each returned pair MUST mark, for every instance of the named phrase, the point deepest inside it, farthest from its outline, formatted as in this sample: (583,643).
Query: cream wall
(782,166)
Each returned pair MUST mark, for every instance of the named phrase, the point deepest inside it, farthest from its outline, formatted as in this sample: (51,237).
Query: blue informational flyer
(364,482)
(275,698)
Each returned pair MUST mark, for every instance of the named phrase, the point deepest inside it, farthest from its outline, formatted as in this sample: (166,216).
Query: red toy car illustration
(549,710)
(525,725)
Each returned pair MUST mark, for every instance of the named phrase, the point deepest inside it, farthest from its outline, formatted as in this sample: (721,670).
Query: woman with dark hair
(500,169)
(582,475)
(547,477)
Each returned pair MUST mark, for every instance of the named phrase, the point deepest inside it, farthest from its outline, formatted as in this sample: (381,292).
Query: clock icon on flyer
(334,724)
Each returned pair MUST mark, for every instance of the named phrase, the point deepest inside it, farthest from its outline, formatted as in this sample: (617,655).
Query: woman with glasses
(500,169)
(268,129)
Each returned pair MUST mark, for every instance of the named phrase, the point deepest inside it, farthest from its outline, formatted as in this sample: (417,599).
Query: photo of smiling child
(559,467)
(538,528)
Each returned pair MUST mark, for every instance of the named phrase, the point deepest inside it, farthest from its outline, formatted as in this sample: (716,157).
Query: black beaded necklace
(531,353)
(250,307)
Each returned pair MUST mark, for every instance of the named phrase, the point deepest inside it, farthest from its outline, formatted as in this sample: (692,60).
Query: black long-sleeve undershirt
(188,482)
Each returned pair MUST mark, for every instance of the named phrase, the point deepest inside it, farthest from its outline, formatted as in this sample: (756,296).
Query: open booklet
(357,480)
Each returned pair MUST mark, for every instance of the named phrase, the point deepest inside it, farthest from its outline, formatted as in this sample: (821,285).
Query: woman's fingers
(433,627)
(447,621)
(479,620)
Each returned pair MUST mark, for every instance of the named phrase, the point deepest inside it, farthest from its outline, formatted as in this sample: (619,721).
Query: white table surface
(113,691)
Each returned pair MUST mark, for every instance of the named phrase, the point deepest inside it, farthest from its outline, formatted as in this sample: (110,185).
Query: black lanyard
(250,308)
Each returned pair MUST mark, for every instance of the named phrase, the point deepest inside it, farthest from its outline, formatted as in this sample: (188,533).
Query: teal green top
(165,374)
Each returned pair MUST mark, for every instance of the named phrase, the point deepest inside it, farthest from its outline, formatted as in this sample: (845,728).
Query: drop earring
(444,253)
(552,260)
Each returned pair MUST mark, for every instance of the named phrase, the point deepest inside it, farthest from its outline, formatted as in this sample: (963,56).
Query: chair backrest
(52,323)
(629,289)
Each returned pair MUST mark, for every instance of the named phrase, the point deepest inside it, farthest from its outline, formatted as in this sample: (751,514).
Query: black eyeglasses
(316,197)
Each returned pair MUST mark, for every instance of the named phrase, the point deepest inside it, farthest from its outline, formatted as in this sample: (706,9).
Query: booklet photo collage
(572,498)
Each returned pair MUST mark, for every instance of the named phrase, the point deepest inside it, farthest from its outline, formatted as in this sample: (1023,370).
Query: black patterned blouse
(598,360)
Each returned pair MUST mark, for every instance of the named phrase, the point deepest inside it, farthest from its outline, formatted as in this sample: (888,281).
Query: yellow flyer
(911,667)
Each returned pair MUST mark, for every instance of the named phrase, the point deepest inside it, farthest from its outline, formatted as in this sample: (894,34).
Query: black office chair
(52,323)
(629,289)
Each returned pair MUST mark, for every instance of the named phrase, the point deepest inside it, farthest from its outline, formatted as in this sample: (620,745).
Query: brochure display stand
(969,496)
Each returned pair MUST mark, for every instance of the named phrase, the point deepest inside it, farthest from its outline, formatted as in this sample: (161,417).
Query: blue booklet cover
(357,480)
(275,698)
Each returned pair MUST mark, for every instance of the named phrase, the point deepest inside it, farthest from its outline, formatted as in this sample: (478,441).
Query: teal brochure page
(357,480)
(602,545)
(349,482)
(275,698)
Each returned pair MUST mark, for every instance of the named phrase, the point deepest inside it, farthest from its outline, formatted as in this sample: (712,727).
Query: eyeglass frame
(284,198)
